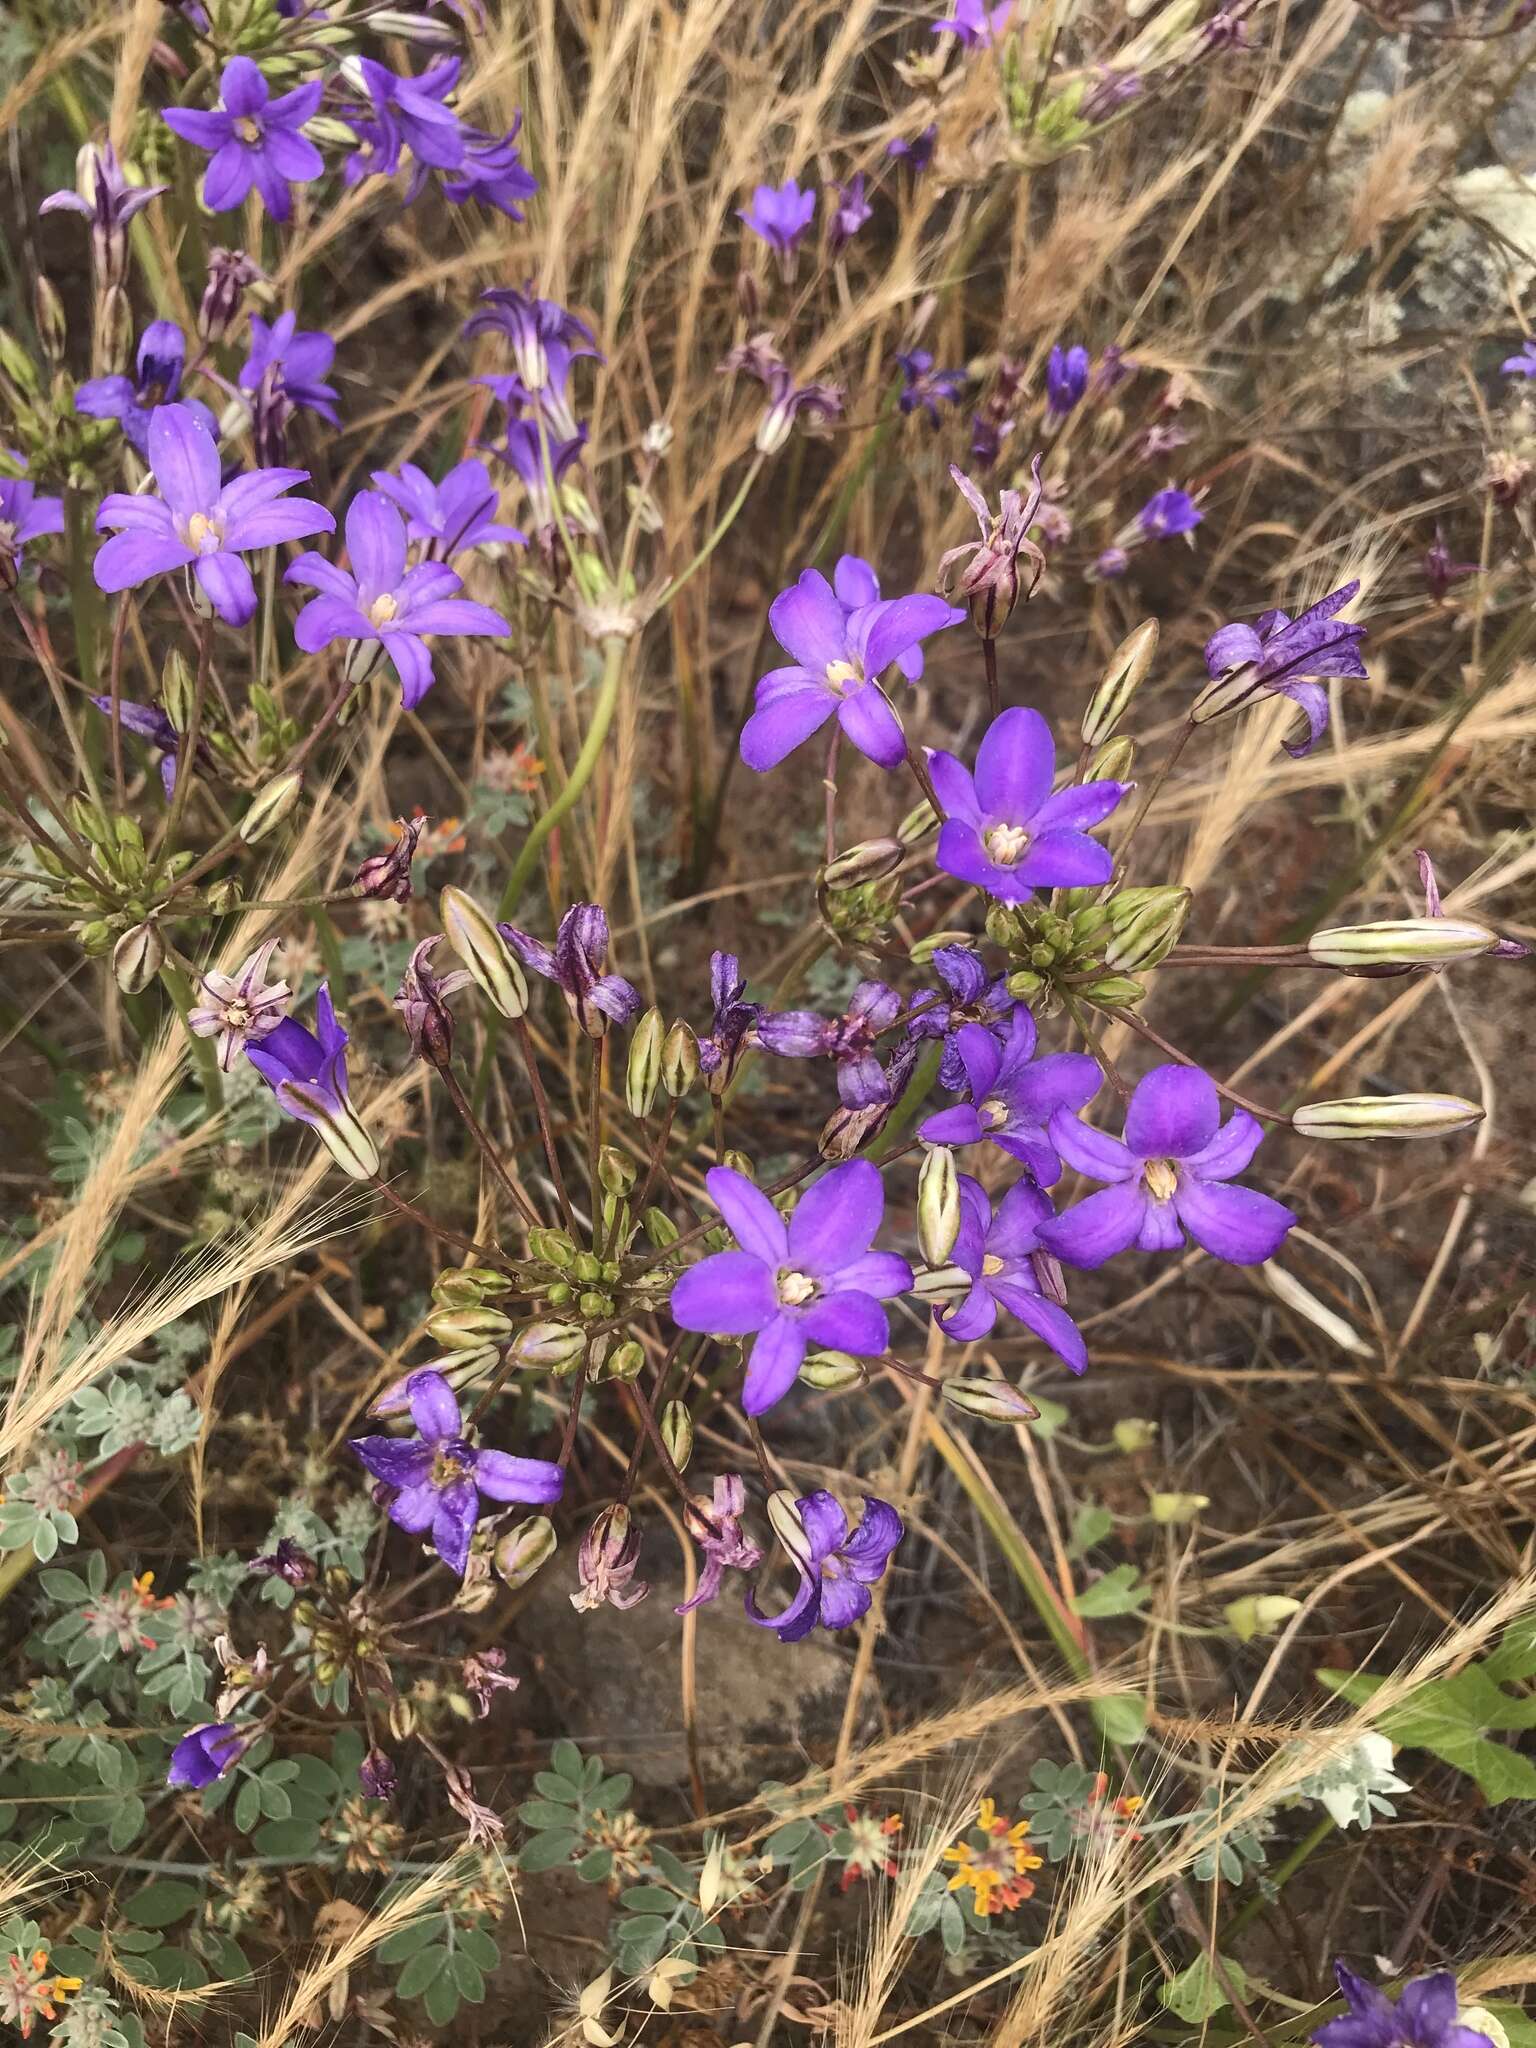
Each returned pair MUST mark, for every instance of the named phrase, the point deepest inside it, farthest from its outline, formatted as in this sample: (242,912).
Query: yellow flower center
(841,673)
(1161,1177)
(201,531)
(993,1111)
(383,609)
(991,1264)
(447,1470)
(1007,844)
(795,1288)
(247,129)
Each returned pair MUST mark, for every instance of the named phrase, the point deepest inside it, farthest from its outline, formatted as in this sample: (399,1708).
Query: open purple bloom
(408,113)
(577,964)
(836,1569)
(850,1040)
(24,516)
(1281,656)
(204,1754)
(975,24)
(811,1281)
(492,170)
(293,363)
(308,1075)
(198,521)
(1169,1175)
(1003,829)
(732,1020)
(1167,513)
(445,518)
(841,641)
(526,451)
(779,215)
(1523,364)
(545,338)
(240,1008)
(156,381)
(254,140)
(381,600)
(112,202)
(848,214)
(715,1525)
(1423,2017)
(1014,1096)
(923,385)
(916,150)
(1009,1269)
(971,996)
(1066,379)
(439,1478)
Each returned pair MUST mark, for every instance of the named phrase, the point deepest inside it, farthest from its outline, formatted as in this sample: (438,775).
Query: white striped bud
(1387,1116)
(496,969)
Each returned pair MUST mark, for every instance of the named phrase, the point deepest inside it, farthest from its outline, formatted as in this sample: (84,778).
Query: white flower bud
(1387,1116)
(1401,942)
(938,1204)
(497,972)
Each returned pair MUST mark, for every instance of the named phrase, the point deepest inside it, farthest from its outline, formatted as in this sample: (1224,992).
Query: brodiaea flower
(440,1477)
(24,516)
(1165,514)
(254,139)
(1169,1175)
(923,385)
(1521,365)
(109,204)
(204,1754)
(1281,656)
(294,363)
(779,215)
(238,1008)
(971,996)
(1013,1095)
(445,518)
(198,521)
(811,1281)
(1066,379)
(850,1040)
(409,113)
(836,1569)
(381,600)
(839,653)
(975,24)
(849,213)
(545,338)
(308,1075)
(577,964)
(1004,830)
(715,1525)
(1007,1265)
(492,170)
(156,381)
(918,149)
(1425,2015)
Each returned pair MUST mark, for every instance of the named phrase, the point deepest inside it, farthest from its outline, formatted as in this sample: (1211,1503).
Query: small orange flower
(997,1871)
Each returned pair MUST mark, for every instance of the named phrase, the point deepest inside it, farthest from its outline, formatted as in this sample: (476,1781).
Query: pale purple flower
(545,339)
(446,518)
(492,171)
(204,1754)
(1167,513)
(408,113)
(307,1073)
(291,363)
(377,1776)
(254,140)
(923,385)
(990,581)
(577,964)
(381,600)
(230,274)
(438,1478)
(542,462)
(240,1008)
(731,1022)
(1425,2015)
(1502,949)
(841,641)
(24,516)
(422,1000)
(975,24)
(288,1561)
(1066,379)
(1108,564)
(849,1040)
(836,1570)
(1284,656)
(1014,1096)
(200,522)
(1440,569)
(1168,1176)
(779,215)
(811,1281)
(1003,829)
(607,1562)
(715,1526)
(1111,89)
(787,400)
(156,381)
(847,211)
(1523,364)
(110,206)
(1009,1269)
(916,150)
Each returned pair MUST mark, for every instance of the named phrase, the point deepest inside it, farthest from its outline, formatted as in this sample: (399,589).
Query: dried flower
(990,582)
(386,877)
(715,1525)
(577,964)
(607,1561)
(241,1008)
(109,200)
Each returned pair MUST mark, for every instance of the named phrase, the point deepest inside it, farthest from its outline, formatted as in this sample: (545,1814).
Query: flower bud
(832,1371)
(137,958)
(1173,1508)
(1401,942)
(938,1204)
(1113,991)
(17,364)
(525,1549)
(606,1562)
(270,806)
(114,329)
(52,327)
(1113,761)
(1123,677)
(415,28)
(1387,1116)
(1259,1614)
(554,1344)
(917,824)
(676,1427)
(679,1060)
(1145,925)
(340,1131)
(497,972)
(469,1329)
(784,1520)
(460,1369)
(1133,1433)
(942,1283)
(642,1075)
(660,1228)
(870,861)
(739,1163)
(177,690)
(992,1400)
(923,952)
(625,1361)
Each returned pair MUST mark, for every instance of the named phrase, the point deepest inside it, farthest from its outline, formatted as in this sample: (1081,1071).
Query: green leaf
(477,1943)
(544,1813)
(64,1587)
(1116,1593)
(565,1761)
(442,2000)
(543,1852)
(1090,1525)
(424,1968)
(248,1805)
(174,1969)
(553,1786)
(296,1840)
(468,1979)
(405,1941)
(613,1793)
(127,1821)
(275,1803)
(1121,1718)
(647,1898)
(595,1866)
(163,1903)
(1196,1994)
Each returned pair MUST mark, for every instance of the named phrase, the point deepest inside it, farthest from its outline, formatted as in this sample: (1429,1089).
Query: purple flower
(850,1040)
(732,1021)
(715,1525)
(836,1569)
(760,358)
(916,150)
(289,1562)
(526,451)
(1167,513)
(447,517)
(150,723)
(492,170)
(545,339)
(848,214)
(1423,2017)
(1109,564)
(157,381)
(230,274)
(1009,1269)
(308,1075)
(292,364)
(377,1776)
(1521,365)
(422,1000)
(812,1281)
(841,642)
(111,204)
(990,581)
(24,516)
(409,113)
(253,138)
(779,215)
(1281,656)
(439,1478)
(1168,1176)
(204,1754)
(1014,1096)
(923,385)
(1066,379)
(382,601)
(1440,569)
(577,965)
(199,522)
(1004,830)
(972,997)
(975,24)
(241,1008)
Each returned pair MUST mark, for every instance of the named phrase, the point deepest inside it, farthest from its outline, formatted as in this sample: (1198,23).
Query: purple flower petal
(1098,1228)
(1014,765)
(1174,1111)
(749,1215)
(325,619)
(809,623)
(1237,1224)
(1049,1321)
(229,177)
(1063,860)
(453,1526)
(129,559)
(843,1601)
(882,1274)
(836,1220)
(776,728)
(855,582)
(535,1481)
(1075,809)
(1093,1152)
(868,1550)
(434,1410)
(395,1460)
(227,584)
(776,1359)
(846,1321)
(415,1509)
(1229,1151)
(184,459)
(872,726)
(375,543)
(825,1523)
(729,1294)
(958,1126)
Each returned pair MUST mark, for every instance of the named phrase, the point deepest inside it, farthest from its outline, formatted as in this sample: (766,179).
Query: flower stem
(580,776)
(205,1055)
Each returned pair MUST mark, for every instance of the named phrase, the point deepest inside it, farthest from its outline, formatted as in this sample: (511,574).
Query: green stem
(580,776)
(204,1052)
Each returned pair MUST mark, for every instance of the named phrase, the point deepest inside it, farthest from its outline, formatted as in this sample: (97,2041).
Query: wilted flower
(149,722)
(1066,379)
(990,582)
(241,1008)
(849,214)
(715,1525)
(204,1753)
(24,516)
(377,1776)
(975,24)
(308,1075)
(787,400)
(916,150)
(836,1569)
(606,1563)
(811,1281)
(291,364)
(254,140)
(850,1040)
(438,1478)
(972,996)
(1014,1096)
(289,1562)
(422,1000)
(386,877)
(924,386)
(157,381)
(483,1675)
(1440,569)
(230,273)
(731,1022)
(1280,656)
(445,518)
(486,1827)
(577,964)
(1007,1265)
(1004,830)
(1169,1175)
(779,215)
(109,202)
(1425,2015)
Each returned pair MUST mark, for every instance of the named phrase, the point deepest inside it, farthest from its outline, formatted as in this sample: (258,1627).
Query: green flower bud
(1387,1116)
(95,936)
(18,365)
(497,972)
(923,952)
(1114,991)
(1113,762)
(992,1400)
(660,1228)
(52,327)
(467,1329)
(554,1344)
(554,1247)
(870,861)
(525,1549)
(224,896)
(642,1075)
(1123,677)
(270,806)
(625,1361)
(137,958)
(177,688)
(938,1204)
(1259,1614)
(616,1170)
(679,1060)
(1133,1433)
(917,824)
(1145,925)
(832,1371)
(1174,1508)
(460,1369)
(676,1427)
(740,1163)
(1401,942)
(114,329)
(343,1136)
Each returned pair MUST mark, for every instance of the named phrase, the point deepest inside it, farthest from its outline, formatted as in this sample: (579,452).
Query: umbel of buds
(1387,1116)
(1123,677)
(1401,943)
(492,965)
